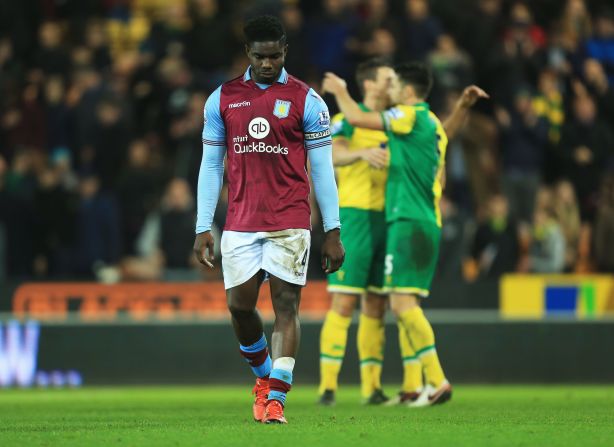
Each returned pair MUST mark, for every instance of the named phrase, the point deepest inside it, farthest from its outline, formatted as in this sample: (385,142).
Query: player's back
(417,157)
(360,185)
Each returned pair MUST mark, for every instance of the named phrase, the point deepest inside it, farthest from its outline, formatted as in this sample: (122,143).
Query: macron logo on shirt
(239,104)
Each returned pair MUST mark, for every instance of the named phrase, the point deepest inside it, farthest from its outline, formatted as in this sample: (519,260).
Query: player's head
(412,83)
(266,48)
(374,77)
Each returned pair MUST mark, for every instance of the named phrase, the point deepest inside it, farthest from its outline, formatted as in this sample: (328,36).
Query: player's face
(383,82)
(396,90)
(267,60)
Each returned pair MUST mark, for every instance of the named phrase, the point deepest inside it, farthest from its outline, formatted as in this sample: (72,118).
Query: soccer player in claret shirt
(267,123)
(418,143)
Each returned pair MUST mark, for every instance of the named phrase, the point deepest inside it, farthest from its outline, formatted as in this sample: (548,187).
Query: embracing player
(267,123)
(361,159)
(417,142)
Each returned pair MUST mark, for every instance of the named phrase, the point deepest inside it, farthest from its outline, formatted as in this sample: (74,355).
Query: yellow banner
(537,296)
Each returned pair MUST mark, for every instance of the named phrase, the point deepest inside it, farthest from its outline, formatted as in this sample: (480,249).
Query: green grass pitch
(212,416)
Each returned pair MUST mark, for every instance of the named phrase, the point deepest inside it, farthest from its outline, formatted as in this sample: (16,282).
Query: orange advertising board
(141,301)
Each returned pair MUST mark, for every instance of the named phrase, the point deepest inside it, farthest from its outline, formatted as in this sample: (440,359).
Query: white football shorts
(283,254)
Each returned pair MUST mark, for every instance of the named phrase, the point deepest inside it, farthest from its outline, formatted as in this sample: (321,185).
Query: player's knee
(402,303)
(343,304)
(240,311)
(285,303)
(374,306)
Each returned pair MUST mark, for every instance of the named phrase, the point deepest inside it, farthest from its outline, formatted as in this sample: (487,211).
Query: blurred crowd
(101,115)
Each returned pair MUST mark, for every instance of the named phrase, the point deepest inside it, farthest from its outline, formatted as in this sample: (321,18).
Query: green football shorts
(363,234)
(412,250)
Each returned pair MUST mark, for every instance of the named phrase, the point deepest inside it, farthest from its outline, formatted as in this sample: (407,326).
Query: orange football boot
(274,413)
(261,391)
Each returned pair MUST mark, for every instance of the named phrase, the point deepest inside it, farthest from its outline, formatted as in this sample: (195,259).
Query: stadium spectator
(601,45)
(378,33)
(11,72)
(110,140)
(210,31)
(576,22)
(421,30)
(495,249)
(138,191)
(600,88)
(522,41)
(523,139)
(169,32)
(586,142)
(97,241)
(52,57)
(328,33)
(56,211)
(293,20)
(57,115)
(177,218)
(548,103)
(24,122)
(96,41)
(604,227)
(452,68)
(568,216)
(547,243)
(455,233)
(17,185)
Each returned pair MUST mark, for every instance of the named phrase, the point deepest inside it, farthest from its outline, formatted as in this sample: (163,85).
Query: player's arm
(343,156)
(341,132)
(319,149)
(210,178)
(354,115)
(457,118)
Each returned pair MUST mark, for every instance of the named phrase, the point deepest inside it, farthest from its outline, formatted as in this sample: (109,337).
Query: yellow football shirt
(360,185)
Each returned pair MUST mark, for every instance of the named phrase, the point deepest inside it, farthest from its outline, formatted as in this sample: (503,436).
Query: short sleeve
(214,132)
(399,119)
(316,121)
(339,127)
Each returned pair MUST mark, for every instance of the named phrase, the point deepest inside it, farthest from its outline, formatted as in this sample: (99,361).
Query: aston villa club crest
(282,108)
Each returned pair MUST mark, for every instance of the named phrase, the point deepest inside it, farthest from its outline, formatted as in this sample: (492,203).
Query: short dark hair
(418,75)
(367,70)
(264,29)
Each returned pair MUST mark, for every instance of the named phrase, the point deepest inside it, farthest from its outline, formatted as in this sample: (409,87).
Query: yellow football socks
(333,339)
(422,340)
(371,353)
(412,367)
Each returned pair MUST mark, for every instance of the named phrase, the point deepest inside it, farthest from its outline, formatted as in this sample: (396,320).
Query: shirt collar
(282,79)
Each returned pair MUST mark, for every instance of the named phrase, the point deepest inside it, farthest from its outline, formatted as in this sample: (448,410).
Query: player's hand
(333,84)
(376,157)
(203,248)
(333,252)
(471,95)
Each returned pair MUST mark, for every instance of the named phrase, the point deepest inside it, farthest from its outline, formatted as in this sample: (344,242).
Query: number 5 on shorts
(388,265)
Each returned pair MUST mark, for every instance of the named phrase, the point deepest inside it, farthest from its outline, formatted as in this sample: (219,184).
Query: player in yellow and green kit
(361,160)
(417,142)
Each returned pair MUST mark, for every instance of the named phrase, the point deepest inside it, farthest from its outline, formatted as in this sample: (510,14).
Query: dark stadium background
(100,146)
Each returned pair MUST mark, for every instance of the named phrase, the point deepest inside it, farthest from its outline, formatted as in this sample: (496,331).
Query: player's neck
(374,103)
(412,101)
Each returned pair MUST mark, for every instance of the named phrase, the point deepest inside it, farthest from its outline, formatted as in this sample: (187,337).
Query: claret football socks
(280,383)
(257,355)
